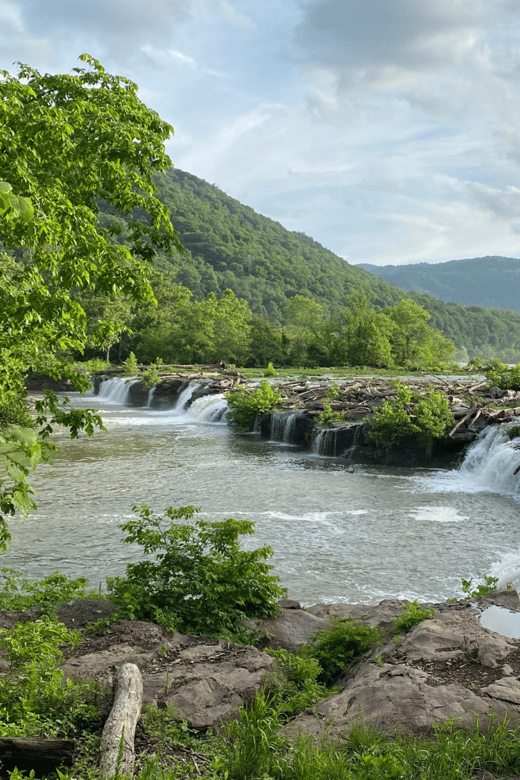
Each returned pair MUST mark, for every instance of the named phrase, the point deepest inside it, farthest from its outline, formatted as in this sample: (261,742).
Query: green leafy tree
(246,405)
(69,143)
(302,317)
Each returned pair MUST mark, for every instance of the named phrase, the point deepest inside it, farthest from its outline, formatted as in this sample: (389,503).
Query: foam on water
(489,465)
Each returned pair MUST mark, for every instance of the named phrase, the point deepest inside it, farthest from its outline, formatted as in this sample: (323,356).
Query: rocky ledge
(448,667)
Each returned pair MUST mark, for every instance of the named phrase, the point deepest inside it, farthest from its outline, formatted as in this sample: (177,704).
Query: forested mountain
(230,246)
(493,282)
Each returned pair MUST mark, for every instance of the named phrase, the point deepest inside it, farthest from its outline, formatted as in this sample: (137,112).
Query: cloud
(388,33)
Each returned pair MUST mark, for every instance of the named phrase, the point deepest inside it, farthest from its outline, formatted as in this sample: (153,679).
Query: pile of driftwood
(357,398)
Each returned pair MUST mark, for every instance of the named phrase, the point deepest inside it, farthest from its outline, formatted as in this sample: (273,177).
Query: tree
(69,144)
(302,317)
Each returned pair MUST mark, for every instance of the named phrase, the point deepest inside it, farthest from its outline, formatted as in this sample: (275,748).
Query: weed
(152,375)
(514,431)
(336,648)
(270,371)
(482,588)
(411,615)
(17,593)
(292,684)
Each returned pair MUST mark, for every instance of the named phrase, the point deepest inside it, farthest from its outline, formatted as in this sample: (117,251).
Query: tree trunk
(42,755)
(117,740)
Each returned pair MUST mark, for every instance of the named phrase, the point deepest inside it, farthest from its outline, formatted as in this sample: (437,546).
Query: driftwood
(42,755)
(117,740)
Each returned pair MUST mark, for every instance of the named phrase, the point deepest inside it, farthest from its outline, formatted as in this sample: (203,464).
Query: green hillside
(230,246)
(493,282)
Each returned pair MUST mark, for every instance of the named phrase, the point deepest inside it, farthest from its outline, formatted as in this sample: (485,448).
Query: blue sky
(388,130)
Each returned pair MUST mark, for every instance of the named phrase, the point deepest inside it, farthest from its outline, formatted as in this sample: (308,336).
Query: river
(337,536)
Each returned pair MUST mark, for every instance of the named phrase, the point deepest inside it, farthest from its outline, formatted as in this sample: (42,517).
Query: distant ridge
(492,282)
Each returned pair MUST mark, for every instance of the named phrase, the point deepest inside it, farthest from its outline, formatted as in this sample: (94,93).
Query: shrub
(503,377)
(411,615)
(514,431)
(247,405)
(427,417)
(270,371)
(336,648)
(17,593)
(131,367)
(200,581)
(482,589)
(291,685)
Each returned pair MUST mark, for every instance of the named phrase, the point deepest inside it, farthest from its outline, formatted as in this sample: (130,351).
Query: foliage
(411,615)
(152,375)
(17,593)
(482,589)
(69,145)
(328,416)
(427,417)
(32,694)
(199,581)
(514,431)
(503,377)
(270,371)
(336,648)
(247,405)
(131,366)
(292,683)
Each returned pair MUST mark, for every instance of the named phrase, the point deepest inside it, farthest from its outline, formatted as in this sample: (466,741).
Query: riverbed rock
(291,629)
(448,667)
(206,681)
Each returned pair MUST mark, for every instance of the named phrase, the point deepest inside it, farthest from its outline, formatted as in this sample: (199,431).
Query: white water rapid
(338,534)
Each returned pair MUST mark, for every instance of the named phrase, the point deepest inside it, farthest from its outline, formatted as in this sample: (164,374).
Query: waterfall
(184,397)
(319,443)
(208,409)
(115,390)
(491,461)
(282,426)
(151,393)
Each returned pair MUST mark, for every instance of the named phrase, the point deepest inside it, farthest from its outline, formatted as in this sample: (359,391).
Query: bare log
(120,724)
(41,754)
(464,419)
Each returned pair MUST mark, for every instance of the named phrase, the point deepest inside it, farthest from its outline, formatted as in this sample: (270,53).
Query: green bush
(503,377)
(199,581)
(411,615)
(292,683)
(270,371)
(513,432)
(427,417)
(482,589)
(246,405)
(131,367)
(17,593)
(336,648)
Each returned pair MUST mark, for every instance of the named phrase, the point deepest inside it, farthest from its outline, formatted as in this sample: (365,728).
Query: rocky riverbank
(448,667)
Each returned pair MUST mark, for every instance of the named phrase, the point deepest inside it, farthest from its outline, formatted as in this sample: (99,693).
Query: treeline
(182,329)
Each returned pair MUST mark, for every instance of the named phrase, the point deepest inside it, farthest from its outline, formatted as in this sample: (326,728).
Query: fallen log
(41,754)
(117,753)
(464,419)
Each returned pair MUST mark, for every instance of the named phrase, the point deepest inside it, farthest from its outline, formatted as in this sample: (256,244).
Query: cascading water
(282,427)
(491,462)
(208,409)
(115,390)
(185,396)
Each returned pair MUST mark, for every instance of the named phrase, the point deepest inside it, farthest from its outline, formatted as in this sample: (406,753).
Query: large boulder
(205,680)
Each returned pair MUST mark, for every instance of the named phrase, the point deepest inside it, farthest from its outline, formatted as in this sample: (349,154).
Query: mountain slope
(493,282)
(231,246)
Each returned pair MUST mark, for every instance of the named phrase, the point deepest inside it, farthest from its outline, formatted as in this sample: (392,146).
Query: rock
(452,635)
(381,615)
(206,681)
(398,697)
(290,630)
(503,598)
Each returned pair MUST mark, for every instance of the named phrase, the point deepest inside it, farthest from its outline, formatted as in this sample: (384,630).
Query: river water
(337,536)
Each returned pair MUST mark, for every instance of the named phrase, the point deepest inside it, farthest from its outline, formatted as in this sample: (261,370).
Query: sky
(388,130)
